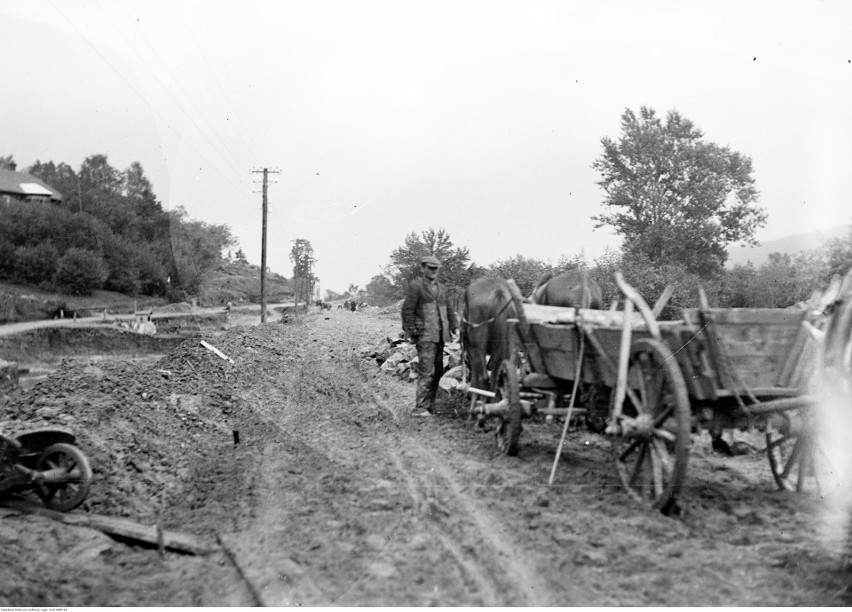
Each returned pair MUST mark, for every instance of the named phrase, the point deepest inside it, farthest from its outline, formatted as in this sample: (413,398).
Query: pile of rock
(398,357)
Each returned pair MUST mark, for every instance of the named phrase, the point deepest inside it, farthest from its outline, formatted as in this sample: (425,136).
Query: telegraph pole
(266,172)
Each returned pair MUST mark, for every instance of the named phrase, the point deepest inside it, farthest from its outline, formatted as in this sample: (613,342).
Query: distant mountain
(788,244)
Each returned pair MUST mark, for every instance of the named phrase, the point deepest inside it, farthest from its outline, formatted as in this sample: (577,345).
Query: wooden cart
(713,369)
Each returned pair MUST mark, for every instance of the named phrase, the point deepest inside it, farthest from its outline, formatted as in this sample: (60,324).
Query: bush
(650,280)
(36,264)
(118,256)
(7,259)
(80,272)
(151,273)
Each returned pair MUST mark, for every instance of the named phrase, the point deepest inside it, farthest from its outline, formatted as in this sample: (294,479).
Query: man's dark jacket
(427,316)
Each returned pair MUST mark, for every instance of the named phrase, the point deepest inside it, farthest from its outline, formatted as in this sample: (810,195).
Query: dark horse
(485,331)
(569,289)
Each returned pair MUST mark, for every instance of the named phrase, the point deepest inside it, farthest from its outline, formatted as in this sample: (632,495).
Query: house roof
(23,184)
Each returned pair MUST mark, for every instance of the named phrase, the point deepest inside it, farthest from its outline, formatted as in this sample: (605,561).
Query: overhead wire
(210,135)
(182,79)
(241,132)
(132,88)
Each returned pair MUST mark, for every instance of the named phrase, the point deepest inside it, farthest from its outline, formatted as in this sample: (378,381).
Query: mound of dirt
(140,426)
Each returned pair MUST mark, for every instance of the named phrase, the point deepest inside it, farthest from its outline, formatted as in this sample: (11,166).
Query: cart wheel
(509,430)
(651,460)
(795,456)
(71,489)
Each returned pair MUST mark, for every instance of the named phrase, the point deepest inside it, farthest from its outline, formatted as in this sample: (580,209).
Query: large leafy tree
(673,196)
(405,260)
(61,177)
(196,247)
(139,195)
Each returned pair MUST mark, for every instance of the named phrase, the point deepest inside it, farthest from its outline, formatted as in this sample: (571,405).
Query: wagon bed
(762,349)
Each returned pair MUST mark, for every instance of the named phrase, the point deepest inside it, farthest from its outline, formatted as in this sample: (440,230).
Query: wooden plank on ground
(119,527)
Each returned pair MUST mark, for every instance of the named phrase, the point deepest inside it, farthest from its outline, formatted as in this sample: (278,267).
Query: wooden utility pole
(263,250)
(266,172)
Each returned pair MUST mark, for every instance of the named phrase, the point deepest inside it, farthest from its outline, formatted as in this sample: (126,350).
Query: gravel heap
(140,425)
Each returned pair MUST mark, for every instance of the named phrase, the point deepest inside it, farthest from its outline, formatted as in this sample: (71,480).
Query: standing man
(429,321)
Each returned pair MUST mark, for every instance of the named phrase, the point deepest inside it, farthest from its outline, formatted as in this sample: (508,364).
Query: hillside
(792,244)
(236,282)
(228,282)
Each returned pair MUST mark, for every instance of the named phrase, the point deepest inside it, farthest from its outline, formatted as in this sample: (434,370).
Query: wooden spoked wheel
(796,458)
(507,387)
(806,446)
(652,451)
(65,492)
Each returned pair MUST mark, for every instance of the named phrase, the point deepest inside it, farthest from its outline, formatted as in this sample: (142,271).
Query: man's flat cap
(430,260)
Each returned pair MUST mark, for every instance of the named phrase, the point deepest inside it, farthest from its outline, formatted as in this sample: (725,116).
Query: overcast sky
(386,118)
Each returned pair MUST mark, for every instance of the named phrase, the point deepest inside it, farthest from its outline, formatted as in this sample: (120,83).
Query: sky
(385,118)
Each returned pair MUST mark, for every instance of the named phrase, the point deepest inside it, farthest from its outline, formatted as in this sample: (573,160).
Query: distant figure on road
(429,320)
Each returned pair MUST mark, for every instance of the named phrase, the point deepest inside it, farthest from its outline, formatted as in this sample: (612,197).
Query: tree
(196,248)
(80,272)
(405,260)
(380,291)
(240,256)
(525,271)
(739,286)
(650,280)
(7,162)
(36,264)
(302,256)
(96,173)
(139,195)
(62,178)
(840,255)
(675,197)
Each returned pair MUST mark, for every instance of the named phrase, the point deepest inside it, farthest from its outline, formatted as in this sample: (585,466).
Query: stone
(448,384)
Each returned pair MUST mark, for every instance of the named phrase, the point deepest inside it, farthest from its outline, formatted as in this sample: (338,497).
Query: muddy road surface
(334,495)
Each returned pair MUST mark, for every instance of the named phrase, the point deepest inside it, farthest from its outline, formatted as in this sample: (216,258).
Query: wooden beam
(664,298)
(747,316)
(539,314)
(632,295)
(522,328)
(118,527)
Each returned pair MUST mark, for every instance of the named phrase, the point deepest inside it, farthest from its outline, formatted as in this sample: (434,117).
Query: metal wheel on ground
(652,452)
(507,387)
(71,476)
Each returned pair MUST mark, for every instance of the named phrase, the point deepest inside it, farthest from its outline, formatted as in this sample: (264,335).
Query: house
(24,187)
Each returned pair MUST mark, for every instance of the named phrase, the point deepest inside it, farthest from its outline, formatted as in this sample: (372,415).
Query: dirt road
(335,496)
